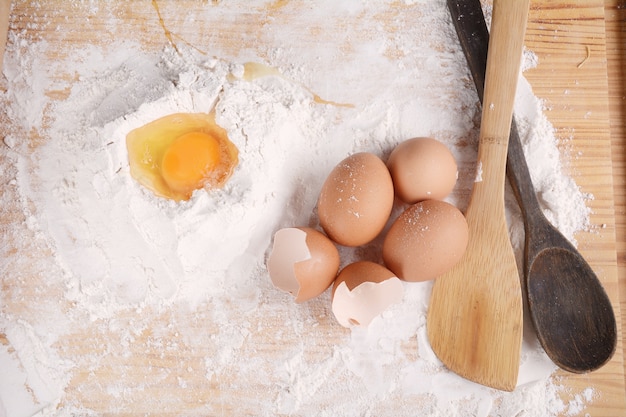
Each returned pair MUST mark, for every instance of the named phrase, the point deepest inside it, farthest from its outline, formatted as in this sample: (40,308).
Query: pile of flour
(115,249)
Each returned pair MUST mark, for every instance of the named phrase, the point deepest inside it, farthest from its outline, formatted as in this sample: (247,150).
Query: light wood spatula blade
(475,313)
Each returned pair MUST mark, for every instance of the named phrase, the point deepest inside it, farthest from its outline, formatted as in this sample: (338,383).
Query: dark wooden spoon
(572,314)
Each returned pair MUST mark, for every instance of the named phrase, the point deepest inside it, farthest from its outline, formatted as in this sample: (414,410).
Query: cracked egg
(177,154)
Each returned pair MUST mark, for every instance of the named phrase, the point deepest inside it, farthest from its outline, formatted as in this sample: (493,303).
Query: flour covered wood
(126,293)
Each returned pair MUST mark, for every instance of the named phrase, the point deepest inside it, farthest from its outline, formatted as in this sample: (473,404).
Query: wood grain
(615,23)
(579,99)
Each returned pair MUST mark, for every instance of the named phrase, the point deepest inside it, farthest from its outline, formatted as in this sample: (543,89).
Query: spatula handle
(503,65)
(470,25)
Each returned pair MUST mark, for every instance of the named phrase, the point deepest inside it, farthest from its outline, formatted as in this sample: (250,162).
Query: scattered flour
(187,280)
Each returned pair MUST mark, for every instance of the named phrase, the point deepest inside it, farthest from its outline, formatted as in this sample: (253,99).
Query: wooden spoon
(570,310)
(475,314)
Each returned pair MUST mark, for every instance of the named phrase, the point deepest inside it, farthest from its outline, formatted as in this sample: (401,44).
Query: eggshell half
(362,291)
(356,200)
(422,169)
(425,241)
(303,262)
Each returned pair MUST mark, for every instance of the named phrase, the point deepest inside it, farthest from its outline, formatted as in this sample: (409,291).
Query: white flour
(122,262)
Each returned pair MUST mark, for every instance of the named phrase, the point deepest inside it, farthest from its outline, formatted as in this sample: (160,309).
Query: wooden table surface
(615,29)
(581,50)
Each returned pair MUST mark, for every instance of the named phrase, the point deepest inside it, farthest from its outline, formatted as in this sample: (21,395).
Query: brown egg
(356,200)
(303,262)
(362,291)
(425,241)
(422,169)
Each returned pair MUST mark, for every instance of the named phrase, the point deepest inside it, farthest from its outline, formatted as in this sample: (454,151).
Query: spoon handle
(468,18)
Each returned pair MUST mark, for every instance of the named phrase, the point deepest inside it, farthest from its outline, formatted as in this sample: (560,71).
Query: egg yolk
(177,154)
(189,160)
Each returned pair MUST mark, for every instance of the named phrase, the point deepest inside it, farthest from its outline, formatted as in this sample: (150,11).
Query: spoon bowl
(571,312)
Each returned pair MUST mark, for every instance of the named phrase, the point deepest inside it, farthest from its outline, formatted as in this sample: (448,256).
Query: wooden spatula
(475,312)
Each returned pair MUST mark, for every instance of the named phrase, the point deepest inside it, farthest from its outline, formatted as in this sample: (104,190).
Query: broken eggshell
(362,291)
(303,262)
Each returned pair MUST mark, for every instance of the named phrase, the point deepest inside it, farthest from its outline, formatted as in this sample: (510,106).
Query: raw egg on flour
(177,154)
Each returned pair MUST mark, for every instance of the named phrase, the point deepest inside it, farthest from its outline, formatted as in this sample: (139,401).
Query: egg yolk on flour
(177,154)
